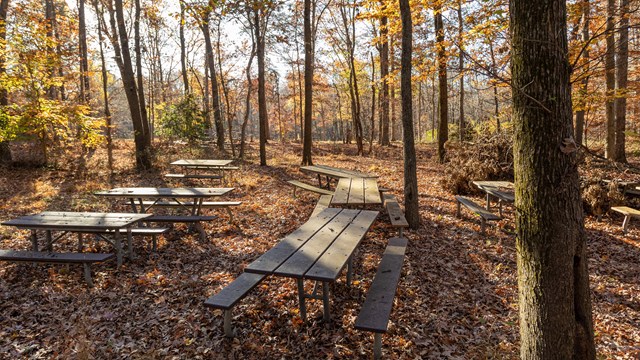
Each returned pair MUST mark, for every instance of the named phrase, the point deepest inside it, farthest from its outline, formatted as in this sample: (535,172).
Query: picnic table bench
(333,173)
(219,168)
(628,214)
(501,190)
(227,205)
(485,215)
(299,184)
(376,310)
(396,215)
(318,251)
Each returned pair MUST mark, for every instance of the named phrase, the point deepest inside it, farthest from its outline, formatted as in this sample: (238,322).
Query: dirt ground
(457,298)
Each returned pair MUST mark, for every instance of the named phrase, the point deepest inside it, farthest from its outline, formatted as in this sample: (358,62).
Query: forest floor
(457,298)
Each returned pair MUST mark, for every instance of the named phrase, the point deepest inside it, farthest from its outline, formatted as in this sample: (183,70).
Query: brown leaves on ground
(457,297)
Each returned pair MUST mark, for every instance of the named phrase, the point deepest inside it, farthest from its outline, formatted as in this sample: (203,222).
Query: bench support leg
(458,209)
(230,215)
(377,345)
(350,270)
(34,240)
(49,240)
(325,302)
(118,244)
(488,202)
(483,223)
(228,330)
(294,192)
(400,232)
(87,274)
(301,300)
(130,253)
(203,234)
(154,243)
(625,223)
(80,244)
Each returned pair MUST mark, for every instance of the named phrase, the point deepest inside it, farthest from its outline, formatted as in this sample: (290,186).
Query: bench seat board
(323,202)
(205,204)
(37,256)
(134,231)
(396,215)
(375,312)
(356,193)
(387,198)
(271,259)
(479,210)
(331,263)
(626,211)
(193,176)
(298,264)
(302,185)
(180,219)
(236,290)
(371,197)
(342,192)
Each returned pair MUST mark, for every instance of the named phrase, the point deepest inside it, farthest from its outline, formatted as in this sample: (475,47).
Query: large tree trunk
(308,85)
(443,105)
(410,167)
(610,81)
(584,83)
(622,67)
(183,50)
(5,150)
(262,98)
(553,282)
(384,78)
(217,114)
(143,158)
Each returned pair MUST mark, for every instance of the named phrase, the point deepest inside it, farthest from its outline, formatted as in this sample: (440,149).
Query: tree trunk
(622,67)
(262,98)
(410,167)
(586,12)
(5,150)
(443,106)
(392,93)
(217,114)
(85,94)
(610,80)
(308,85)
(348,22)
(105,94)
(384,78)
(553,282)
(461,128)
(143,158)
(373,103)
(494,66)
(243,128)
(141,100)
(225,93)
(183,50)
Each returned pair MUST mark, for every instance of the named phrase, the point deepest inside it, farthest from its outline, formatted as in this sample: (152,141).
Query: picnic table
(357,192)
(330,172)
(625,186)
(501,190)
(191,169)
(101,224)
(317,251)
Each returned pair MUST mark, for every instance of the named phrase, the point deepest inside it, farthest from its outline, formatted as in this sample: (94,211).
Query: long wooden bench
(299,184)
(193,176)
(323,202)
(193,219)
(485,215)
(143,231)
(229,296)
(189,204)
(376,310)
(628,214)
(396,215)
(86,259)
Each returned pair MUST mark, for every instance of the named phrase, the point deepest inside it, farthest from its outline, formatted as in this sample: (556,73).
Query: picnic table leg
(325,301)
(87,274)
(134,208)
(130,253)
(301,299)
(349,270)
(118,241)
(49,240)
(228,330)
(625,223)
(80,244)
(488,201)
(34,240)
(500,207)
(377,345)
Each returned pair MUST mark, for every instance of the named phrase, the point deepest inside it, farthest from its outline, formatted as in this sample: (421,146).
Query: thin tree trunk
(183,50)
(262,98)
(622,67)
(461,125)
(5,150)
(553,281)
(392,93)
(494,66)
(373,103)
(217,114)
(308,85)
(610,81)
(105,94)
(141,100)
(225,92)
(443,122)
(384,77)
(243,128)
(85,94)
(410,167)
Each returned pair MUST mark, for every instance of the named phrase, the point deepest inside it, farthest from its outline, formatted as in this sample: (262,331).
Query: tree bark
(5,150)
(384,77)
(140,81)
(105,94)
(373,103)
(443,111)
(348,22)
(584,83)
(217,114)
(85,94)
(610,81)
(262,98)
(461,126)
(183,50)
(308,85)
(410,167)
(622,67)
(553,282)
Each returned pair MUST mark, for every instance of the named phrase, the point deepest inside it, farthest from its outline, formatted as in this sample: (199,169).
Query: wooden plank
(304,258)
(477,209)
(270,260)
(180,218)
(396,215)
(323,202)
(341,195)
(326,172)
(356,193)
(164,192)
(236,290)
(310,187)
(505,196)
(387,198)
(627,211)
(193,176)
(205,204)
(37,256)
(350,173)
(371,192)
(331,263)
(375,312)
(68,220)
(202,162)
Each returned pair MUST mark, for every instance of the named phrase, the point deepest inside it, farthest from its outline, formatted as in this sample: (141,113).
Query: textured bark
(494,67)
(85,86)
(140,79)
(308,85)
(622,73)
(143,158)
(5,150)
(584,83)
(610,80)
(410,167)
(225,92)
(183,50)
(262,97)
(373,103)
(384,78)
(443,105)
(217,114)
(553,283)
(105,94)
(348,14)
(461,128)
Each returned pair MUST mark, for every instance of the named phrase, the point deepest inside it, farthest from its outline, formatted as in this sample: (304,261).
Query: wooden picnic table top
(202,163)
(494,184)
(148,192)
(66,220)
(319,249)
(334,172)
(356,192)
(503,190)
